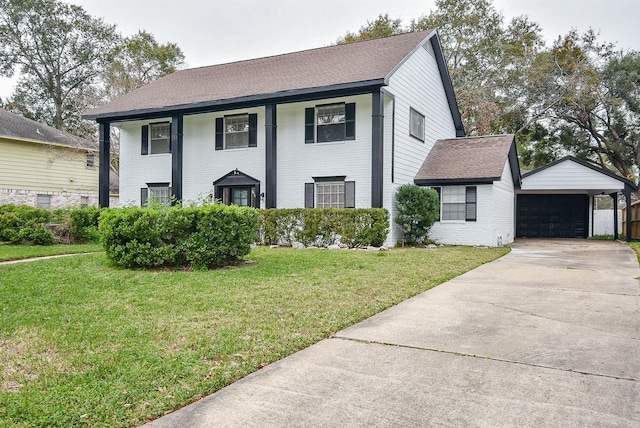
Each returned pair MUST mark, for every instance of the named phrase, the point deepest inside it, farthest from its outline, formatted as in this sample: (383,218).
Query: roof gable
(570,173)
(16,127)
(360,65)
(479,160)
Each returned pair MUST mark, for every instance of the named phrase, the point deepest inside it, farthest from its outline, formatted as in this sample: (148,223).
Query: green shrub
(83,224)
(22,224)
(417,210)
(325,226)
(199,237)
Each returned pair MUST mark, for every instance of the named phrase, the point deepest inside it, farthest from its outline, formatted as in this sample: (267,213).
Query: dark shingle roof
(365,62)
(469,160)
(14,126)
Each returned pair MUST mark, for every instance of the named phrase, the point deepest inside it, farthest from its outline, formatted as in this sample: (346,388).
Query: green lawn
(16,252)
(86,344)
(635,246)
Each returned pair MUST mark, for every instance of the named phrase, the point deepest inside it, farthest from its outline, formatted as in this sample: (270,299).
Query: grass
(17,252)
(86,344)
(635,246)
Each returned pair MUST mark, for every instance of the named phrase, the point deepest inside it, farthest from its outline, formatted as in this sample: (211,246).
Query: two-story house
(339,126)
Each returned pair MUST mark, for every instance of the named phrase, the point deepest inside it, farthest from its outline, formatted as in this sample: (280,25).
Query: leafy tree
(597,116)
(139,60)
(383,26)
(59,51)
(417,210)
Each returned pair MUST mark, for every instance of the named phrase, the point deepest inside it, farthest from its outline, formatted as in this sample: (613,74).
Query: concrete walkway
(546,336)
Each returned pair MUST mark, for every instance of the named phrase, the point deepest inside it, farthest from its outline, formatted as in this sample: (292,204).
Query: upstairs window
(159,138)
(416,125)
(156,138)
(91,160)
(237,131)
(331,122)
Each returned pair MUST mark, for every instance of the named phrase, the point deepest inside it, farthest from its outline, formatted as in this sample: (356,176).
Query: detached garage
(556,200)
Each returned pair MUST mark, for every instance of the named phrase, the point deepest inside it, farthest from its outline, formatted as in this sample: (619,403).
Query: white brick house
(339,126)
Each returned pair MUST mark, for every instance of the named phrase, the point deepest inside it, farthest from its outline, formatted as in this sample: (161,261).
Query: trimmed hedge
(322,227)
(198,237)
(22,224)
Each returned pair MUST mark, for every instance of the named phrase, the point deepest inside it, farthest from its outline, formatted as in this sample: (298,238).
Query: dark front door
(552,216)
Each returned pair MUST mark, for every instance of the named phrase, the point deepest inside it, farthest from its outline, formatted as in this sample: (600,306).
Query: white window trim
(340,184)
(342,122)
(151,139)
(227,132)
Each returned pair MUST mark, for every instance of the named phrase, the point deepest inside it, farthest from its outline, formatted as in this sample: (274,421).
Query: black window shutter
(144,144)
(471,203)
(309,195)
(144,195)
(349,194)
(253,130)
(170,141)
(439,192)
(309,125)
(350,120)
(219,133)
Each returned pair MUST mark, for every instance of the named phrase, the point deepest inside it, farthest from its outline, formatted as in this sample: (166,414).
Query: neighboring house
(45,167)
(340,126)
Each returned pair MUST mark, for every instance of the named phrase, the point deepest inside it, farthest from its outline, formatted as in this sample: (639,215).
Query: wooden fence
(635,221)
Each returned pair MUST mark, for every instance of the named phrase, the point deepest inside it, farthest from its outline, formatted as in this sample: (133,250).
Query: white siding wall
(569,175)
(495,218)
(416,84)
(299,162)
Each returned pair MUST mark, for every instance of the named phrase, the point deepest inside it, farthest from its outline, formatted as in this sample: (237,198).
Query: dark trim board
(104,151)
(552,216)
(307,94)
(456,181)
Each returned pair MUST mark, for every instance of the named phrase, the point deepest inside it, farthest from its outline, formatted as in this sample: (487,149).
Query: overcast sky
(219,31)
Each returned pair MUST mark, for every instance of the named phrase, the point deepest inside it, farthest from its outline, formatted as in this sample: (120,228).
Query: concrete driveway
(548,335)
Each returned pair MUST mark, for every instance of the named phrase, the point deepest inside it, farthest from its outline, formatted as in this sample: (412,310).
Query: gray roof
(362,63)
(469,160)
(13,126)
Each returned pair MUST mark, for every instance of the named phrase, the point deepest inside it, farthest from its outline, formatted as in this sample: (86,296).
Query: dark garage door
(552,216)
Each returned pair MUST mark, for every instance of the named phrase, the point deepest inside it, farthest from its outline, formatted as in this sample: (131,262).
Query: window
(43,201)
(331,122)
(416,125)
(237,131)
(330,195)
(91,160)
(84,201)
(159,138)
(459,203)
(330,192)
(156,193)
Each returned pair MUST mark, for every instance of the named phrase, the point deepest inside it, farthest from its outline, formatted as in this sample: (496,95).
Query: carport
(556,200)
